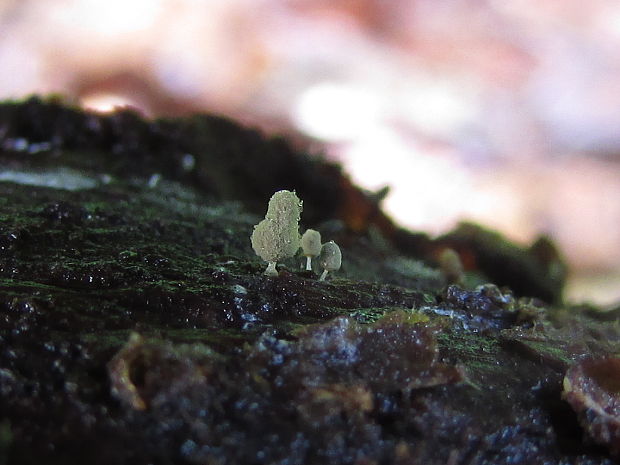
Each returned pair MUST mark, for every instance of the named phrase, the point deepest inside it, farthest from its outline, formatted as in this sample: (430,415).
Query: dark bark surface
(136,325)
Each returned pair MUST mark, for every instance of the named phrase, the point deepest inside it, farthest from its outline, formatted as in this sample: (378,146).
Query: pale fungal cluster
(277,237)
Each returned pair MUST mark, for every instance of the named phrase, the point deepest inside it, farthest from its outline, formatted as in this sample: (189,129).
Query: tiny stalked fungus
(311,245)
(330,258)
(277,236)
(451,266)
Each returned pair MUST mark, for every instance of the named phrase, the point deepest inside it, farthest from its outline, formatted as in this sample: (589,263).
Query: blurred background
(502,112)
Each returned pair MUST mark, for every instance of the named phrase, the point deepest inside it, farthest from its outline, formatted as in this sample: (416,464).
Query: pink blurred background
(502,112)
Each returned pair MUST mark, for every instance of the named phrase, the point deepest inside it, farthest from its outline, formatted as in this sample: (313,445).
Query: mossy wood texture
(136,325)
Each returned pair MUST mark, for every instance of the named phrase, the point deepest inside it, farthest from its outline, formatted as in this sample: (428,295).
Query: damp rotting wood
(136,325)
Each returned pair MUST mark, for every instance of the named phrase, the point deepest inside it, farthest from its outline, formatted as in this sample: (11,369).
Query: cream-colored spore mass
(277,236)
